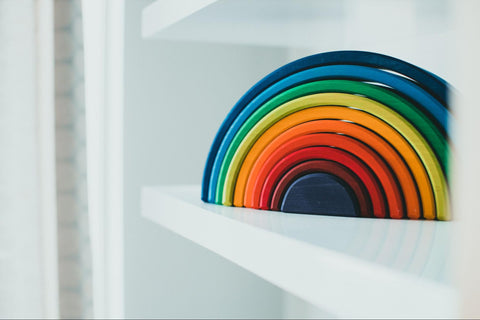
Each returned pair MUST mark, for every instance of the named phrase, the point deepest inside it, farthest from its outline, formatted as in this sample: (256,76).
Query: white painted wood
(114,157)
(349,267)
(104,47)
(162,14)
(45,58)
(319,25)
(417,31)
(466,173)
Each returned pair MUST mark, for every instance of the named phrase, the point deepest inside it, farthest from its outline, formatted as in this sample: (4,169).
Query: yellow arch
(379,110)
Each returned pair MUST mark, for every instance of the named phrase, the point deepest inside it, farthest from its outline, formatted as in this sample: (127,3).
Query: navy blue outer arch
(436,86)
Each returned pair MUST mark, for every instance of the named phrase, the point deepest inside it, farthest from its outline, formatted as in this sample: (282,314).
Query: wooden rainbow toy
(346,133)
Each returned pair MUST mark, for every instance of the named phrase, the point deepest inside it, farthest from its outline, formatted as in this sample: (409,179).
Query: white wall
(176,96)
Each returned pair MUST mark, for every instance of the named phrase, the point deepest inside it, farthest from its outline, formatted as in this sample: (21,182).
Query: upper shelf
(310,24)
(350,267)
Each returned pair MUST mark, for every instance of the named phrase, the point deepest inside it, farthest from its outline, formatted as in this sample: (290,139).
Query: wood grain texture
(320,193)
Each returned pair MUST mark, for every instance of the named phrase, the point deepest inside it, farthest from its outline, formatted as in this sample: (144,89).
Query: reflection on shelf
(379,267)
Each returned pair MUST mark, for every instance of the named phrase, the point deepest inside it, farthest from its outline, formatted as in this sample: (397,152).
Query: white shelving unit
(308,24)
(350,267)
(264,22)
(411,30)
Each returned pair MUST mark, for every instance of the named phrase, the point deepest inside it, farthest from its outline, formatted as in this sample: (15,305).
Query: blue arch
(427,90)
(405,87)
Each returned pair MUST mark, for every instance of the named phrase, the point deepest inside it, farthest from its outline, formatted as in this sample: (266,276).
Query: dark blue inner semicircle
(320,193)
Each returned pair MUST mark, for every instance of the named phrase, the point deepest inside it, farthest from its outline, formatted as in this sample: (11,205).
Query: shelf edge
(164,13)
(317,267)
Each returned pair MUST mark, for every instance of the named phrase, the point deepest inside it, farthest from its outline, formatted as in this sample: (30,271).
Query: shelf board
(350,267)
(310,24)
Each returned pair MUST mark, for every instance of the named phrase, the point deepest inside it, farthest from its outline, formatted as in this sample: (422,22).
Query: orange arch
(386,151)
(262,149)
(361,151)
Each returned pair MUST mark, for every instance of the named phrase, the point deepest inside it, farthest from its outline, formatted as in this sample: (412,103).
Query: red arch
(379,205)
(376,163)
(333,168)
(361,170)
(392,157)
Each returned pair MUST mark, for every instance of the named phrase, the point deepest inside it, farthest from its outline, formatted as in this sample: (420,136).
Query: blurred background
(99,98)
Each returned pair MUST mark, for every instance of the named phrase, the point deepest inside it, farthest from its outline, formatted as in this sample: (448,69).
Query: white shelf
(319,25)
(350,267)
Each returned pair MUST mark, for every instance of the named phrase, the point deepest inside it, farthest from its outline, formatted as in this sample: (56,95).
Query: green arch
(386,97)
(249,133)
